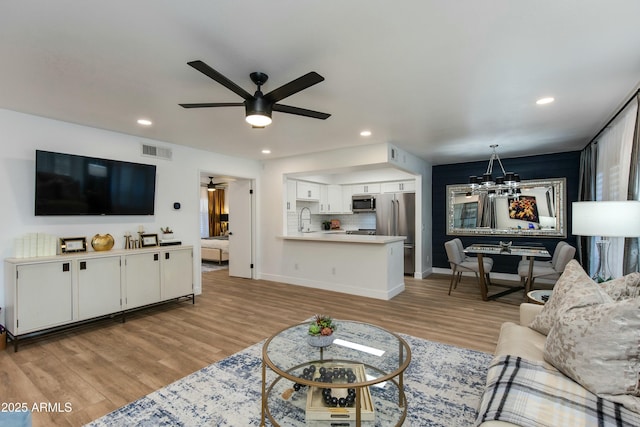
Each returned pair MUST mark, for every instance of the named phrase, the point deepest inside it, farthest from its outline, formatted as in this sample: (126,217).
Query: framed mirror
(537,208)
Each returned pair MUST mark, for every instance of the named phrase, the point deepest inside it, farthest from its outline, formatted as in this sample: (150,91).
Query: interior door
(240,200)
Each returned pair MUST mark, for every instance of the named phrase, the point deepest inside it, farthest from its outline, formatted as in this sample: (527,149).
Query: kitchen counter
(342,237)
(371,266)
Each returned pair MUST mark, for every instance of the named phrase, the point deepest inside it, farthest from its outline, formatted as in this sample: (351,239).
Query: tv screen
(68,184)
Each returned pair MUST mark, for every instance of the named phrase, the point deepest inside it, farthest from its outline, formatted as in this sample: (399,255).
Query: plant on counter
(322,325)
(166,230)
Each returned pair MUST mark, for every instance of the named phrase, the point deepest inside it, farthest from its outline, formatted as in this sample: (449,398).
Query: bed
(215,249)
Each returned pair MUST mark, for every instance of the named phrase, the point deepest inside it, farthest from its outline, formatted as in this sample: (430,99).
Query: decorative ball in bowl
(321,330)
(505,245)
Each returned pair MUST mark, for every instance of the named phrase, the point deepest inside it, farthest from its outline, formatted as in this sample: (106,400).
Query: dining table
(529,251)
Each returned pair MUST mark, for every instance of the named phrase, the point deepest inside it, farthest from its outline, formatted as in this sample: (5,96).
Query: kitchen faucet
(301,220)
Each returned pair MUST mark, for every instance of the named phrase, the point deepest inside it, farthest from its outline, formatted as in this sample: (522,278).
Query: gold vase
(102,242)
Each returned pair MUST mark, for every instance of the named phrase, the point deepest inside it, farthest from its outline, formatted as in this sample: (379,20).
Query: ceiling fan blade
(300,111)
(213,104)
(294,86)
(210,72)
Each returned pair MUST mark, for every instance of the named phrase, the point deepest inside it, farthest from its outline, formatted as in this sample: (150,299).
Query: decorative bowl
(320,340)
(102,242)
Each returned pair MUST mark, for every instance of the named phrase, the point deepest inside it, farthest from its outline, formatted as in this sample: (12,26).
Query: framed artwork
(73,244)
(524,208)
(149,240)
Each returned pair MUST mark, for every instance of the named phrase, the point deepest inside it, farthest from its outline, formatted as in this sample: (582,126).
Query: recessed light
(365,133)
(547,100)
(266,151)
(144,122)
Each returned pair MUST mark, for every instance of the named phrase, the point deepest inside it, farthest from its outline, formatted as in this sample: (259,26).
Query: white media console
(49,293)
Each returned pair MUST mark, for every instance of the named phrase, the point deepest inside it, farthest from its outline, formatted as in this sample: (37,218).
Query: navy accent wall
(561,165)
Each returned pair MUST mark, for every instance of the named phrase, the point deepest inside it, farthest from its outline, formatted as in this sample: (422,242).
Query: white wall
(273,212)
(178,180)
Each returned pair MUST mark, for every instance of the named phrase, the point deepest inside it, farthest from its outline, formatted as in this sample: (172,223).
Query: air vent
(158,152)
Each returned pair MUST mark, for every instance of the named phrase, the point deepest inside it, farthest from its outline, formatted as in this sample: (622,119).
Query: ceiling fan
(258,107)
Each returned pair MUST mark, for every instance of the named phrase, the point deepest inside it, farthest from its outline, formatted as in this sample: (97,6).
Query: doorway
(233,223)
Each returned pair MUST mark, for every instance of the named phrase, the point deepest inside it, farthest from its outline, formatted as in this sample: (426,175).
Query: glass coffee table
(367,362)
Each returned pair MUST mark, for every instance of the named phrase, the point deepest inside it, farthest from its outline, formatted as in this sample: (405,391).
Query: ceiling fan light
(258,120)
(211,186)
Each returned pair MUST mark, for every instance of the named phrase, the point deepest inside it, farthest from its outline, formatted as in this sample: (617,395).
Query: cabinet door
(399,186)
(324,199)
(291,195)
(347,192)
(99,287)
(177,273)
(307,191)
(142,275)
(44,296)
(334,199)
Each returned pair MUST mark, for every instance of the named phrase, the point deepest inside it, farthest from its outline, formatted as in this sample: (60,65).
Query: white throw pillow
(573,289)
(598,346)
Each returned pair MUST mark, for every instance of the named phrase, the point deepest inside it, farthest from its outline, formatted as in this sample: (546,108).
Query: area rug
(214,266)
(443,386)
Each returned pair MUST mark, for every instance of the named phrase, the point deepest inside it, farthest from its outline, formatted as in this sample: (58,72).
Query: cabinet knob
(65,266)
(167,255)
(83,265)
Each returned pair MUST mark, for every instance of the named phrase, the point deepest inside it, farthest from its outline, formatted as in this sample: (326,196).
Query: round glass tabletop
(384,354)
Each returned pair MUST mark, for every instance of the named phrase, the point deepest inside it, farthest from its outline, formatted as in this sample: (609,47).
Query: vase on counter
(102,242)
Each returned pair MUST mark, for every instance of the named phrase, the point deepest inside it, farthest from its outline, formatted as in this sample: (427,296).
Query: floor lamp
(605,219)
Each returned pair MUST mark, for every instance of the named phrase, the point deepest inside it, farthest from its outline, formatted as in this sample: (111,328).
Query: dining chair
(552,271)
(460,263)
(544,263)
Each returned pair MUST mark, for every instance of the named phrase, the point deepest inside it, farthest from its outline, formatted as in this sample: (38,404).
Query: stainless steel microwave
(363,203)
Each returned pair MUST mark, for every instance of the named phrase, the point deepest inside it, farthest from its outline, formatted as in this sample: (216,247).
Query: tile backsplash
(347,221)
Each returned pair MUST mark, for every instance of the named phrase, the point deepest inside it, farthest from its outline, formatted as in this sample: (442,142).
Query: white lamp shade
(606,219)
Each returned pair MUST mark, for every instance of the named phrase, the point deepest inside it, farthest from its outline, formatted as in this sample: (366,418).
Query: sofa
(573,361)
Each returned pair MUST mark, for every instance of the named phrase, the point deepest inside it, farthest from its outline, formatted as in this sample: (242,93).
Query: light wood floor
(101,367)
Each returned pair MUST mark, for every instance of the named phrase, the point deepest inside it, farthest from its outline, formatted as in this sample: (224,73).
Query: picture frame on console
(73,244)
(148,240)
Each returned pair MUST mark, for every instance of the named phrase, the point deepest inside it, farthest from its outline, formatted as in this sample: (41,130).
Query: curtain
(586,192)
(613,166)
(216,207)
(632,245)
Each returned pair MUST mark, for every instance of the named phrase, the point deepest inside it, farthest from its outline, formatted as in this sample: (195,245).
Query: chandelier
(505,185)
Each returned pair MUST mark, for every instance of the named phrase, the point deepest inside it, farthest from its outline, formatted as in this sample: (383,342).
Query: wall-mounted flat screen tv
(68,184)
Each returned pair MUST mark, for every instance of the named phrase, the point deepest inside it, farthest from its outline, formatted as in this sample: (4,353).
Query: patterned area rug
(443,386)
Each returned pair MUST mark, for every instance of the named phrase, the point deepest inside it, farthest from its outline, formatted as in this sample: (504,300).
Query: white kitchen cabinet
(44,291)
(370,188)
(331,199)
(99,286)
(399,186)
(307,191)
(50,292)
(142,274)
(347,193)
(291,195)
(334,199)
(177,273)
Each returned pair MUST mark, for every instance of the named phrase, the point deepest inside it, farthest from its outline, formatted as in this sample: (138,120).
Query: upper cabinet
(291,195)
(371,188)
(307,191)
(399,186)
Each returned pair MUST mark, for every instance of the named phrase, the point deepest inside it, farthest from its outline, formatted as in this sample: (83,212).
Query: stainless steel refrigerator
(396,216)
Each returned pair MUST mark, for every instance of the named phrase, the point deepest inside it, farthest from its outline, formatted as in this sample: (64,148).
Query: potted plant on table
(167,232)
(321,331)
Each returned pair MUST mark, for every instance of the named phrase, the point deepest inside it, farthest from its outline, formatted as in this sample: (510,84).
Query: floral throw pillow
(573,289)
(598,346)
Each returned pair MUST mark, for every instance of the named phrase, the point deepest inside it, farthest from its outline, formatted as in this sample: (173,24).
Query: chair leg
(458,279)
(488,279)
(453,277)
